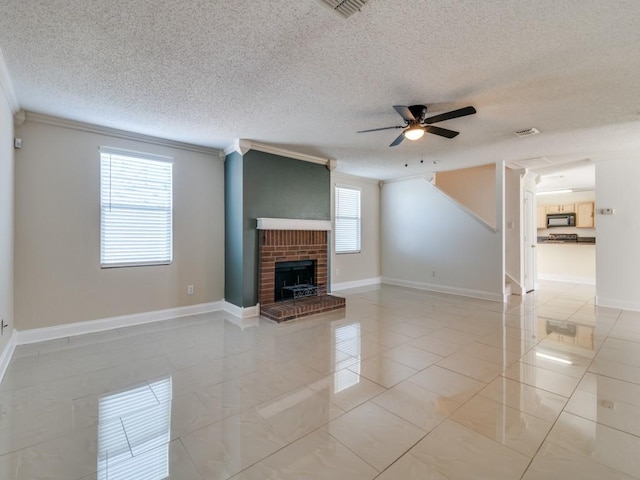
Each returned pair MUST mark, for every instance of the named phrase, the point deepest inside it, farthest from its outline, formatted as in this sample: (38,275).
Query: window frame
(337,216)
(139,157)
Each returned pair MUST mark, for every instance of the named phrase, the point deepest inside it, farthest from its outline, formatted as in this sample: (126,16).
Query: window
(347,234)
(136,192)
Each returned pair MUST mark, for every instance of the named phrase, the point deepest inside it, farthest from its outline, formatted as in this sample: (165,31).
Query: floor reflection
(131,423)
(347,340)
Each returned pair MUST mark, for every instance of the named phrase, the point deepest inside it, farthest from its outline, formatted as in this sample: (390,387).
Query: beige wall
(567,262)
(353,267)
(474,187)
(58,278)
(6,219)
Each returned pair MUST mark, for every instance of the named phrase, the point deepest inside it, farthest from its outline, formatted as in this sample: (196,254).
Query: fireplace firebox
(290,274)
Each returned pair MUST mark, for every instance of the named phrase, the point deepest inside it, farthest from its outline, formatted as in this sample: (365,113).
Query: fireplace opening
(289,274)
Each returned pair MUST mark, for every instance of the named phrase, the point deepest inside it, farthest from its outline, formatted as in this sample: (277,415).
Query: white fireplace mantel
(292,224)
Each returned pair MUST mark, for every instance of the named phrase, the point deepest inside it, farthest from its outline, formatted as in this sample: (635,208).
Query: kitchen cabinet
(541,217)
(583,338)
(570,333)
(564,208)
(584,215)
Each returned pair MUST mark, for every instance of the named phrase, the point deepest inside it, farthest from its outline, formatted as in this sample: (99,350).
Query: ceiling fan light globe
(414,133)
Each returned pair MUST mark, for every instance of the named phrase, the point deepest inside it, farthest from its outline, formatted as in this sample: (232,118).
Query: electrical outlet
(190,290)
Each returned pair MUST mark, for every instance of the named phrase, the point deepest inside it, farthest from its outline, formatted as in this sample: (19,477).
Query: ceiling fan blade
(443,132)
(461,112)
(398,140)
(405,113)
(378,129)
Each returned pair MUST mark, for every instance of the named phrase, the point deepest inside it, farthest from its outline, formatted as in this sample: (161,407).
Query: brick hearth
(302,307)
(290,246)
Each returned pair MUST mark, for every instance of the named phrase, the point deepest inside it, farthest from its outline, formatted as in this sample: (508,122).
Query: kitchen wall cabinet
(541,217)
(584,215)
(564,208)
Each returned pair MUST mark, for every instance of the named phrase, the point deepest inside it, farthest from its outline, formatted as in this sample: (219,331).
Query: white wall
(352,269)
(513,219)
(423,231)
(58,278)
(6,221)
(617,250)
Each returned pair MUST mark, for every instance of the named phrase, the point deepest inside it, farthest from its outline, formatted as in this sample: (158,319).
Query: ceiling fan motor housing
(419,112)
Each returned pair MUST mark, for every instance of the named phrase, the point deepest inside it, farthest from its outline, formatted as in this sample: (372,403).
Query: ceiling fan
(416,122)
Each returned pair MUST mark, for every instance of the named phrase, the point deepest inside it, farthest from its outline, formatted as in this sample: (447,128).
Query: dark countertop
(580,241)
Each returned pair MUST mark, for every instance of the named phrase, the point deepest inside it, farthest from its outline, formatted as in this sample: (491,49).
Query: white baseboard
(242,312)
(567,279)
(615,303)
(465,292)
(7,354)
(92,326)
(366,282)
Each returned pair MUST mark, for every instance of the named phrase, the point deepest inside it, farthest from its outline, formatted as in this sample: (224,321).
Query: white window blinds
(347,231)
(136,192)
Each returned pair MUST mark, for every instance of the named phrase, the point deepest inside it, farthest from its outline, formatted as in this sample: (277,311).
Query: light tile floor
(406,385)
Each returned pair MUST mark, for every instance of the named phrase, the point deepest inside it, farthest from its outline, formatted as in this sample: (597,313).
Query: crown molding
(242,146)
(429,176)
(239,146)
(7,86)
(347,177)
(114,132)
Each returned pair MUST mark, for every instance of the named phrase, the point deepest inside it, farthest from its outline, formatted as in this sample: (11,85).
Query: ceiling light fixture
(551,192)
(414,133)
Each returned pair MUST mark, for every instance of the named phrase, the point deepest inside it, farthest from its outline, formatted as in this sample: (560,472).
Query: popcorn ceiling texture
(295,74)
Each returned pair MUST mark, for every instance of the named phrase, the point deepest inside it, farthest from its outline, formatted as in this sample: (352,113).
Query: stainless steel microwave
(561,220)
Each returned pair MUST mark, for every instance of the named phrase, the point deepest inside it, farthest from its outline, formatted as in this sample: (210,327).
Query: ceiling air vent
(528,132)
(345,8)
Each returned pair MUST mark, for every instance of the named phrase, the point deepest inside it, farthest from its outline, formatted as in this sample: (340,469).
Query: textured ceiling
(579,175)
(295,74)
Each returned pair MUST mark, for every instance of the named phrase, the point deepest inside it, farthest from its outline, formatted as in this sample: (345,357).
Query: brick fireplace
(285,240)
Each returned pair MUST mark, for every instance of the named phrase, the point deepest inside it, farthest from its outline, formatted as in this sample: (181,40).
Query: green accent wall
(271,186)
(233,245)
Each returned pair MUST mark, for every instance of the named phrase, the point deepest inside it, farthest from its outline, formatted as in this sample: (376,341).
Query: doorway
(566,247)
